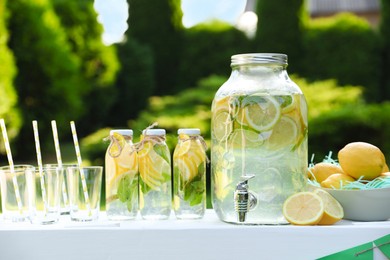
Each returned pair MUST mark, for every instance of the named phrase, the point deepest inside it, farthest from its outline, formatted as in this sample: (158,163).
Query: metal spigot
(244,200)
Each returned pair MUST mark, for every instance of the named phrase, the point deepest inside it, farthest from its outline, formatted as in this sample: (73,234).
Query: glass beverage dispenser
(258,140)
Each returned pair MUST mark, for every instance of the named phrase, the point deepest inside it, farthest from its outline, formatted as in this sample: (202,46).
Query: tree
(48,81)
(135,82)
(99,63)
(280,27)
(8,96)
(158,24)
(208,51)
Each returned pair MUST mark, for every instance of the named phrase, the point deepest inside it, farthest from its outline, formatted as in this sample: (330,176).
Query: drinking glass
(84,203)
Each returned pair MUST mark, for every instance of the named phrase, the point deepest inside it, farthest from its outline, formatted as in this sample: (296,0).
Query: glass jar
(121,176)
(258,141)
(189,175)
(155,175)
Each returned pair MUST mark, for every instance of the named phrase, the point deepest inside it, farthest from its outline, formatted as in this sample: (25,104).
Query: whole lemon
(337,180)
(323,170)
(361,159)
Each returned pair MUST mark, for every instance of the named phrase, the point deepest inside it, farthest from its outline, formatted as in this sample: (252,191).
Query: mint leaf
(163,151)
(194,190)
(127,191)
(144,187)
(124,193)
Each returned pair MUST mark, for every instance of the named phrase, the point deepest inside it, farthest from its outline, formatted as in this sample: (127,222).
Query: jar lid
(153,132)
(128,132)
(189,131)
(259,58)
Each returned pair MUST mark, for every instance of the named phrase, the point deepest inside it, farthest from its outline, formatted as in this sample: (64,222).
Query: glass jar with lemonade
(258,140)
(121,176)
(189,175)
(154,158)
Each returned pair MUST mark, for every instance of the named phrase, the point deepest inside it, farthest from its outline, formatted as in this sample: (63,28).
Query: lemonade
(189,179)
(155,175)
(121,177)
(259,128)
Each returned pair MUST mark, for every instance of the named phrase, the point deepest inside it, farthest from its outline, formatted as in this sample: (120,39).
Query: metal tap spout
(244,200)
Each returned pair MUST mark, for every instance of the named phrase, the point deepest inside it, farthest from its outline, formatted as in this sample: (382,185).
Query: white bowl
(364,205)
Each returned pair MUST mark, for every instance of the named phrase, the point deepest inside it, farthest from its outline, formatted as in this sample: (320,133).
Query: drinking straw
(59,159)
(11,165)
(39,159)
(80,162)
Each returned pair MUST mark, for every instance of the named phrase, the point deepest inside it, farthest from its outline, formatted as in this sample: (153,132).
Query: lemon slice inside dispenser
(260,112)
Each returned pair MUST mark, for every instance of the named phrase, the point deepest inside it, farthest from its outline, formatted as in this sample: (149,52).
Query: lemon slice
(221,184)
(242,138)
(197,152)
(187,168)
(303,208)
(146,148)
(183,148)
(227,104)
(152,183)
(284,133)
(197,155)
(333,211)
(261,112)
(116,147)
(176,202)
(147,167)
(303,109)
(222,126)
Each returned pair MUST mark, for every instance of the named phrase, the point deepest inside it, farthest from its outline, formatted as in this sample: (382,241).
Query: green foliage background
(48,76)
(98,63)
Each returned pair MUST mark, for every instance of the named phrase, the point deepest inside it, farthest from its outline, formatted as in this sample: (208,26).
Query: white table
(203,239)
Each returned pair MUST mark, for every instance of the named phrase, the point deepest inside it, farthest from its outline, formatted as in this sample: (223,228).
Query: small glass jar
(155,175)
(258,140)
(189,175)
(121,176)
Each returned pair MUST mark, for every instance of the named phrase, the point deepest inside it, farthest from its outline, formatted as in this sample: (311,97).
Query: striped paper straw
(59,159)
(39,159)
(79,161)
(11,165)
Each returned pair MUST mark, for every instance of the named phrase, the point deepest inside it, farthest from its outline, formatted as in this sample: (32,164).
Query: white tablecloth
(203,239)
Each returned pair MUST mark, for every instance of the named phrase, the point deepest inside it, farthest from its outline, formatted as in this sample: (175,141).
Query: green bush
(326,96)
(331,131)
(343,47)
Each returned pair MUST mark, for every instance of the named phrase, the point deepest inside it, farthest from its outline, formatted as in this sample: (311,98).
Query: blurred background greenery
(54,65)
